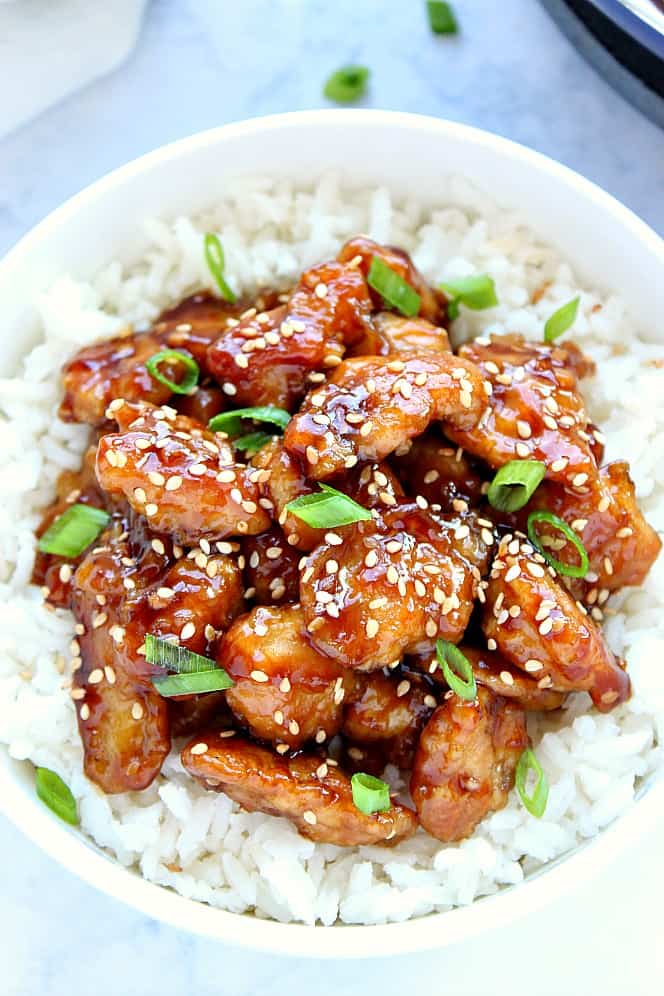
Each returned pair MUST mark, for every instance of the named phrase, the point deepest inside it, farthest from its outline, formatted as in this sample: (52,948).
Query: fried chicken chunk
(284,690)
(372,405)
(123,589)
(442,473)
(620,544)
(384,719)
(535,411)
(270,568)
(313,795)
(391,585)
(267,358)
(535,624)
(465,763)
(408,335)
(360,252)
(182,477)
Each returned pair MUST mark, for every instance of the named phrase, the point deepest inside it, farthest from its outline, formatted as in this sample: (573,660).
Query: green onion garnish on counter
(347,84)
(441,18)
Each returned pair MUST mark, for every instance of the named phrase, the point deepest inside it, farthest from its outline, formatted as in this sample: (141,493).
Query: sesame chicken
(178,474)
(266,358)
(551,636)
(284,690)
(308,652)
(402,580)
(374,405)
(465,762)
(319,804)
(534,410)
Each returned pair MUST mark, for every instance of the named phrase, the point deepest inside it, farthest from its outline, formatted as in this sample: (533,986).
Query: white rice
(200,843)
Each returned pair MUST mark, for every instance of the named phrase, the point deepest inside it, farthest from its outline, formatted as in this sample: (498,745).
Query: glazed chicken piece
(123,590)
(391,585)
(202,404)
(268,357)
(535,411)
(198,712)
(271,568)
(384,719)
(282,480)
(442,473)
(501,677)
(284,690)
(51,572)
(620,544)
(465,763)
(397,334)
(307,790)
(535,624)
(361,250)
(182,477)
(371,406)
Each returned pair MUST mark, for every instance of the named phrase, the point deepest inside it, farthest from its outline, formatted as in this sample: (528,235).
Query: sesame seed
(139,495)
(284,686)
(312,455)
(559,465)
(624,533)
(187,631)
(333,539)
(96,676)
(403,688)
(430,702)
(522,450)
(320,737)
(259,676)
(608,566)
(532,665)
(137,713)
(546,626)
(65,573)
(512,573)
(308,816)
(579,480)
(371,559)
(322,770)
(371,628)
(199,748)
(491,643)
(420,588)
(430,628)
(151,509)
(523,429)
(535,570)
(392,574)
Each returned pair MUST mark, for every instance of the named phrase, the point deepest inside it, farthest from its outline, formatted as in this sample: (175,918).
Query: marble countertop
(200,63)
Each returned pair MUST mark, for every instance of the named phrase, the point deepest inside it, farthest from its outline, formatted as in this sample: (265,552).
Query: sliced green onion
(73,531)
(56,795)
(172,657)
(515,484)
(370,795)
(252,442)
(393,288)
(327,508)
(441,18)
(214,256)
(193,684)
(535,803)
(347,84)
(231,422)
(190,365)
(476,292)
(461,680)
(568,570)
(561,320)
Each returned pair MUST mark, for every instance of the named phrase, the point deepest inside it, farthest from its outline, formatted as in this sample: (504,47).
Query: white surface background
(203,62)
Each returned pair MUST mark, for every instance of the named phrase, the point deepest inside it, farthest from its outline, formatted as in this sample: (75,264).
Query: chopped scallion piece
(231,422)
(56,795)
(327,508)
(393,288)
(347,84)
(196,683)
(370,795)
(73,531)
(172,657)
(174,356)
(515,484)
(476,292)
(461,680)
(568,570)
(441,18)
(214,256)
(561,320)
(535,803)
(252,442)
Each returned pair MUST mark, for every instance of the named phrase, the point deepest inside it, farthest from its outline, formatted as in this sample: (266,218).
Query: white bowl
(608,245)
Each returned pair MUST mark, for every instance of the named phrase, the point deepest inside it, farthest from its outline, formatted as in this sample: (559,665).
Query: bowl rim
(80,855)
